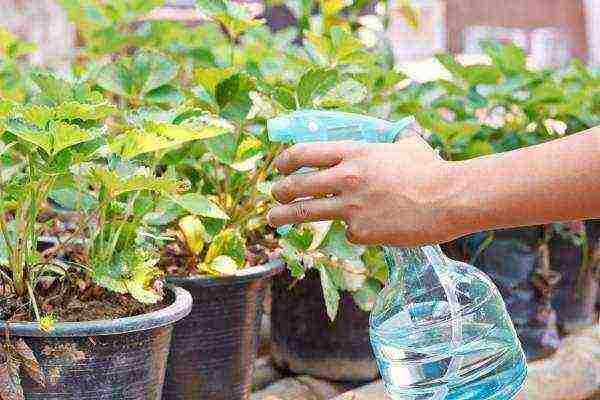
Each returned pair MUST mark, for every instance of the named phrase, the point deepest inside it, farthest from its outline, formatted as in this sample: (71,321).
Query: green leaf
(233,97)
(346,93)
(314,83)
(336,244)
(366,296)
(154,70)
(198,204)
(116,185)
(509,58)
(131,273)
(453,66)
(209,78)
(38,115)
(343,43)
(72,110)
(165,94)
(29,134)
(330,292)
(71,199)
(194,233)
(65,135)
(229,243)
(482,74)
(162,136)
(375,262)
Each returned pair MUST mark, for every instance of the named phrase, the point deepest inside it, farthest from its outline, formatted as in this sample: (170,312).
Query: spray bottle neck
(411,261)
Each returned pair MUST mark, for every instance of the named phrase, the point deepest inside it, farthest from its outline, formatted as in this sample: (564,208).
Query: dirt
(76,305)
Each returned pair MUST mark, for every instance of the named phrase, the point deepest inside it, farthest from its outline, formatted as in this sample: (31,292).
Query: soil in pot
(121,358)
(214,348)
(305,341)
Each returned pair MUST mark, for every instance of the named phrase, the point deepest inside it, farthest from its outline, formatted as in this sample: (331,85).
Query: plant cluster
(153,157)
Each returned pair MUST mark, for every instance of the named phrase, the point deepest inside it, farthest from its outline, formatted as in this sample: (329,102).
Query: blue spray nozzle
(328,126)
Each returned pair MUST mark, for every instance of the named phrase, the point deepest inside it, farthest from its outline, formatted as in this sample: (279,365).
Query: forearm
(554,181)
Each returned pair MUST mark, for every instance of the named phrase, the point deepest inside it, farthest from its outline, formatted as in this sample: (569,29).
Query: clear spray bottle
(439,329)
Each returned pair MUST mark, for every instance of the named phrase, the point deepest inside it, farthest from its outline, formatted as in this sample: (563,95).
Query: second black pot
(214,348)
(305,341)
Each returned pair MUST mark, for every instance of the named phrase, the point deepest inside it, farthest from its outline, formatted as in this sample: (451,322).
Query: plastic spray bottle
(439,329)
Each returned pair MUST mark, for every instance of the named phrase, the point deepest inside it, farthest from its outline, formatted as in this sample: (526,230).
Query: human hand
(394,194)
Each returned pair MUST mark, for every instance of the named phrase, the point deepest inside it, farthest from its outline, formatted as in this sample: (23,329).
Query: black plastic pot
(214,348)
(512,262)
(577,290)
(305,341)
(120,359)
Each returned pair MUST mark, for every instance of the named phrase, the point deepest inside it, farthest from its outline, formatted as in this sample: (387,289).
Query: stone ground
(573,373)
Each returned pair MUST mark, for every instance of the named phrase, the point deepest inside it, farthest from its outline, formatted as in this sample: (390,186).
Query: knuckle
(301,210)
(353,233)
(352,176)
(282,190)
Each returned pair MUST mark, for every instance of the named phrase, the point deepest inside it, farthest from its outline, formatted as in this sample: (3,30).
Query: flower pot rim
(178,309)
(257,272)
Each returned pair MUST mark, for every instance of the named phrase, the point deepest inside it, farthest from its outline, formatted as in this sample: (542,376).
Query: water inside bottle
(411,334)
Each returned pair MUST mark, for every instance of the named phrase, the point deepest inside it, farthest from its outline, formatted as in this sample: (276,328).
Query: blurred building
(551,31)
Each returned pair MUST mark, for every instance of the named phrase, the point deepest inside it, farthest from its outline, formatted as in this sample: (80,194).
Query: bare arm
(554,181)
(402,194)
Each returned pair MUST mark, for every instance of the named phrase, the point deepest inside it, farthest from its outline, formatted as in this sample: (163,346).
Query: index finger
(314,155)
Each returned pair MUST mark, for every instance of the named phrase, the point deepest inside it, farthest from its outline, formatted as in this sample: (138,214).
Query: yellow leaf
(193,232)
(224,265)
(209,78)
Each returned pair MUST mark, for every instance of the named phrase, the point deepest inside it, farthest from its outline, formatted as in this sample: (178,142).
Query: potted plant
(213,235)
(86,316)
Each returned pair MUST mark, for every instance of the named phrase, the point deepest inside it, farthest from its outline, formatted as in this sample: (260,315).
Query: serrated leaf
(165,94)
(29,362)
(193,232)
(117,185)
(343,43)
(199,204)
(161,136)
(453,66)
(131,273)
(229,243)
(315,83)
(29,134)
(233,97)
(65,135)
(330,292)
(224,265)
(38,115)
(74,110)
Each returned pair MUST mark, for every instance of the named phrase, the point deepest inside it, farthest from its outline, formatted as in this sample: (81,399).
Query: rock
(264,374)
(573,373)
(301,388)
